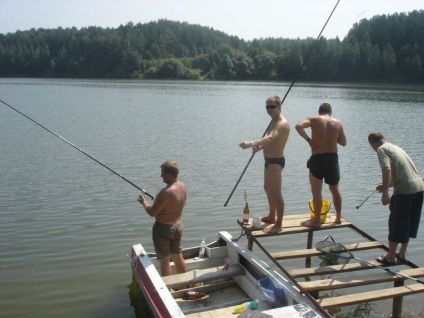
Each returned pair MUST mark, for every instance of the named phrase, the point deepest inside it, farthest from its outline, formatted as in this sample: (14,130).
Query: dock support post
(249,242)
(397,302)
(308,260)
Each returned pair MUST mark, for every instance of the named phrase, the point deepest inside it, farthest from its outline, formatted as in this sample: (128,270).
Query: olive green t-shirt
(404,176)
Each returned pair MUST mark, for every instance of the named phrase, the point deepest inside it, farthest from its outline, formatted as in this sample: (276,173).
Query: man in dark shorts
(325,166)
(272,144)
(398,171)
(327,133)
(167,210)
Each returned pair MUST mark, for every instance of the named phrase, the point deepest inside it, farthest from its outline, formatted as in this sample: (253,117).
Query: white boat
(213,286)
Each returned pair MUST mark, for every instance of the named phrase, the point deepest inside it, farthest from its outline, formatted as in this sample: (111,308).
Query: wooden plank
(315,252)
(202,275)
(294,221)
(353,299)
(344,282)
(328,270)
(295,229)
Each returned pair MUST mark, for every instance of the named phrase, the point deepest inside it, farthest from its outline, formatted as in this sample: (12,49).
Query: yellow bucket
(324,209)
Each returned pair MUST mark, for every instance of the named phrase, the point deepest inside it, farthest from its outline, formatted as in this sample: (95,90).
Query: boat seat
(202,275)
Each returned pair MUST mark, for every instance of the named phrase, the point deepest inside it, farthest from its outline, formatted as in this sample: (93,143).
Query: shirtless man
(167,210)
(273,144)
(327,132)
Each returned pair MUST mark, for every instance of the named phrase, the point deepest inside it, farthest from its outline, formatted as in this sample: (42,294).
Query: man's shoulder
(316,118)
(336,120)
(283,122)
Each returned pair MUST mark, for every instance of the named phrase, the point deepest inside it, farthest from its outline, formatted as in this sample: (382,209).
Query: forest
(383,49)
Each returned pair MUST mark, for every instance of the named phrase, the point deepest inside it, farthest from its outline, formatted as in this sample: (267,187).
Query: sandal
(402,260)
(383,260)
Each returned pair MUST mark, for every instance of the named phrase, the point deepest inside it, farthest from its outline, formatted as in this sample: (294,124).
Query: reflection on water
(68,223)
(138,301)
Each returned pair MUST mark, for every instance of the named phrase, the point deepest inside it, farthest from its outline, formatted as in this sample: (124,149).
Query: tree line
(385,48)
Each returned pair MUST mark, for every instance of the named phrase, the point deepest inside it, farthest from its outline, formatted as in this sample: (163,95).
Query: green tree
(388,60)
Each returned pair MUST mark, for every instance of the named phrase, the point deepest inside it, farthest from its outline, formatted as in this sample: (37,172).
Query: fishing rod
(284,98)
(80,150)
(359,205)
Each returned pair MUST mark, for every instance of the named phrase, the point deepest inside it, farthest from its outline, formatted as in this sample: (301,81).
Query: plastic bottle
(202,249)
(246,214)
(252,305)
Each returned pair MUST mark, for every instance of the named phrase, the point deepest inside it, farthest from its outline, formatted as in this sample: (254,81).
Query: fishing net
(333,253)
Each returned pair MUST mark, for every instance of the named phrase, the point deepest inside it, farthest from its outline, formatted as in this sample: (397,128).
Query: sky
(247,19)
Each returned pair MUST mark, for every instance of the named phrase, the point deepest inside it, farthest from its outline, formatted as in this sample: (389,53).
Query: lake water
(67,223)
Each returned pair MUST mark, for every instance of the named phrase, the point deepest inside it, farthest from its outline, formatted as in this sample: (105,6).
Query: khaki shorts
(167,239)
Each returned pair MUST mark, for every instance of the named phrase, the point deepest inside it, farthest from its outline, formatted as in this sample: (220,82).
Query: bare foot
(273,229)
(338,221)
(311,223)
(268,219)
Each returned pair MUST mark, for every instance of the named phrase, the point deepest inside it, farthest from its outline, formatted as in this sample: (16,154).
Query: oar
(358,206)
(284,98)
(71,144)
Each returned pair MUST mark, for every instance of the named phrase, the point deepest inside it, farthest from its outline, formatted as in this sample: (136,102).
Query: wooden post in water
(308,262)
(397,301)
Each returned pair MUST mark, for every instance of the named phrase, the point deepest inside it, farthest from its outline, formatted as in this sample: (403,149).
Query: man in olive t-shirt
(399,172)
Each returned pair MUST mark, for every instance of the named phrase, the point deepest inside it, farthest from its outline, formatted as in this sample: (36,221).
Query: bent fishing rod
(80,150)
(359,205)
(284,98)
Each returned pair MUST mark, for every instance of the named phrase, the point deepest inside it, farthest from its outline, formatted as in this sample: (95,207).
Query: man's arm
(157,206)
(342,140)
(259,144)
(386,174)
(300,128)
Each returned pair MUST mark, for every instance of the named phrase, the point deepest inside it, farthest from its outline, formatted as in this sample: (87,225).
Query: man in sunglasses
(327,133)
(273,144)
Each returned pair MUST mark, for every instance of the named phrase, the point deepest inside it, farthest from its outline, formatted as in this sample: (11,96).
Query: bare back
(169,203)
(327,132)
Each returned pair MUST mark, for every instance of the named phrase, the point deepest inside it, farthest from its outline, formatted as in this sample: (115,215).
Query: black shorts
(405,214)
(325,166)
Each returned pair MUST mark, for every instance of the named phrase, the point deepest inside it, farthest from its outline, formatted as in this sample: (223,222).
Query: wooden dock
(342,280)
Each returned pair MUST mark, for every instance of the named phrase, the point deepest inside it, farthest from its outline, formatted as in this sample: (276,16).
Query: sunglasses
(271,106)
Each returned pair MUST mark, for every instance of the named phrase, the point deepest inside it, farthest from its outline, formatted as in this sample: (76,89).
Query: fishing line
(284,98)
(80,150)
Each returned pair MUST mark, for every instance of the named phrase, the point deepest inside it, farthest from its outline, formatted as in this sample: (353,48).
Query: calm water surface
(67,223)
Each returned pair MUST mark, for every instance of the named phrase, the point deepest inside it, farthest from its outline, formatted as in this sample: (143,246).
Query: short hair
(325,108)
(375,137)
(170,167)
(275,99)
